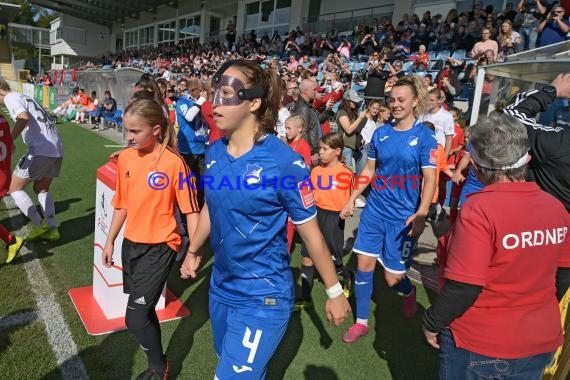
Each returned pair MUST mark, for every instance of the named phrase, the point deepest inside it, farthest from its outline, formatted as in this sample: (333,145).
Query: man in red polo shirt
(498,315)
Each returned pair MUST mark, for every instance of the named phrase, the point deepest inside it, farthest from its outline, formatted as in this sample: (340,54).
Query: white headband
(487,165)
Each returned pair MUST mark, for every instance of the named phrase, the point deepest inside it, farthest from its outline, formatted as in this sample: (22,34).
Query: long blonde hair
(151,112)
(419,91)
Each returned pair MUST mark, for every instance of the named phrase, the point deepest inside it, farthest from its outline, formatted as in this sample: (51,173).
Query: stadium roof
(104,12)
(8,12)
(540,65)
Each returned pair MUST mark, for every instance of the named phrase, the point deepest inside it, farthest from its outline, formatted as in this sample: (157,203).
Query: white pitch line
(57,330)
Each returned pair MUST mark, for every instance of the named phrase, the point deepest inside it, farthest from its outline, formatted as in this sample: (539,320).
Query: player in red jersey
(13,243)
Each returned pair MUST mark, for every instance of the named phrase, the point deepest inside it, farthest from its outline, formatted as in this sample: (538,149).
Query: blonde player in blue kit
(401,154)
(255,182)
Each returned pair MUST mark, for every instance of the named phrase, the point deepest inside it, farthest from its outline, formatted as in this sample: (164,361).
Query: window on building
(146,36)
(267,16)
(74,35)
(189,28)
(130,39)
(166,32)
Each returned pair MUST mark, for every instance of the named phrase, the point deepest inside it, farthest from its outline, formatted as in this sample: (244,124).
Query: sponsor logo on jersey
(209,165)
(307,195)
(433,156)
(414,141)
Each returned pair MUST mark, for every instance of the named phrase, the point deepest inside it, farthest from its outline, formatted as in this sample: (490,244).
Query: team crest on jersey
(300,163)
(252,174)
(433,156)
(414,141)
(306,192)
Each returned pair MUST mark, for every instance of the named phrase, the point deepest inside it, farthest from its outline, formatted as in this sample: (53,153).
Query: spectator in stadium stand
(377,77)
(421,59)
(428,82)
(303,106)
(459,40)
(488,318)
(292,64)
(344,48)
(528,18)
(447,81)
(554,27)
(396,69)
(508,39)
(291,49)
(367,45)
(486,43)
(478,13)
(473,36)
(230,34)
(351,124)
(508,13)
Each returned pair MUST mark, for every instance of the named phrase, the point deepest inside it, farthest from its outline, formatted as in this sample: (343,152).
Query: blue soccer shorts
(388,242)
(244,343)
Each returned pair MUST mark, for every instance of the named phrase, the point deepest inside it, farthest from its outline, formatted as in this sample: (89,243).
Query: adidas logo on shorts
(140,301)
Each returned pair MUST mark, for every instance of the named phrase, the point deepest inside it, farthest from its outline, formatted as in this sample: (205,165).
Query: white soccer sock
(362,321)
(82,116)
(57,110)
(48,207)
(25,204)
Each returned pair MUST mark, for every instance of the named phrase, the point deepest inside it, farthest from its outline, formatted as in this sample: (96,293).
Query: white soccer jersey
(40,135)
(280,127)
(444,125)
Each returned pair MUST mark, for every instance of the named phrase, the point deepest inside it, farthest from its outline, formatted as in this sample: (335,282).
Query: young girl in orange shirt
(332,182)
(147,195)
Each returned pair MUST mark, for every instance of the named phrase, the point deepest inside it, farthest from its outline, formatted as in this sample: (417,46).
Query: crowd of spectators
(444,50)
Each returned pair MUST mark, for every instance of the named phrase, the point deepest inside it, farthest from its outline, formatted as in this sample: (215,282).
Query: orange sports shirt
(326,182)
(150,200)
(441,165)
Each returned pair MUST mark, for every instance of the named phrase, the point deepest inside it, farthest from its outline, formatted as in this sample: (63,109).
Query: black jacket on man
(549,147)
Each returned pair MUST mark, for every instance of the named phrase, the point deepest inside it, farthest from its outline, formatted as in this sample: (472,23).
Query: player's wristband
(335,290)
(192,253)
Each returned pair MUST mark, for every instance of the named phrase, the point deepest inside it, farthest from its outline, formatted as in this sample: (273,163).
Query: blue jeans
(528,36)
(457,363)
(363,158)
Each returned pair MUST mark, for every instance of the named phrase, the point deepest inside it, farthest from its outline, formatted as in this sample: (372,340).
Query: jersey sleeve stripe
(304,220)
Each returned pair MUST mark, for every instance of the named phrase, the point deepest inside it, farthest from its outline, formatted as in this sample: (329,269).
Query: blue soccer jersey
(249,199)
(192,135)
(400,157)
